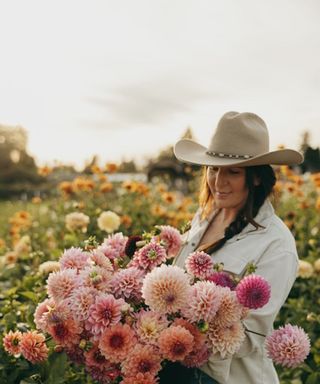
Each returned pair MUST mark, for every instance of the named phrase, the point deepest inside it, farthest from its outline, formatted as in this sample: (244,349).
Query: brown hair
(257,195)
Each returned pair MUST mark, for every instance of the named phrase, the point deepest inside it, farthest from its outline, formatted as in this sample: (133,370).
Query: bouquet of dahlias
(123,310)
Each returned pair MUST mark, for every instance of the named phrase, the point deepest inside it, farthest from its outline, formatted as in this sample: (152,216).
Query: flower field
(83,212)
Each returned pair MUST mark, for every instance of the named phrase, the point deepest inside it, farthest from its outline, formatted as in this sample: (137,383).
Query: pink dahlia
(65,333)
(103,375)
(11,342)
(108,252)
(116,342)
(97,258)
(127,283)
(199,264)
(150,256)
(171,238)
(117,241)
(56,313)
(203,302)
(166,289)
(197,357)
(226,340)
(198,337)
(80,302)
(229,310)
(33,347)
(74,258)
(40,313)
(175,343)
(222,279)
(288,346)
(61,284)
(140,378)
(142,359)
(105,311)
(114,246)
(149,325)
(253,291)
(96,277)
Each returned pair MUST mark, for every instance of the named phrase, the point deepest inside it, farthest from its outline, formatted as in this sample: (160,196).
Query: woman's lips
(222,195)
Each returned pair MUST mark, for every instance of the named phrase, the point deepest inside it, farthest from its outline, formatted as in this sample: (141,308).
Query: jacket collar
(263,216)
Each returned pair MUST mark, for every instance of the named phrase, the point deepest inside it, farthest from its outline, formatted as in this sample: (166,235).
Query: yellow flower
(11,257)
(315,177)
(106,187)
(77,220)
(2,243)
(44,171)
(316,265)
(108,221)
(23,245)
(48,267)
(83,184)
(102,178)
(36,200)
(96,169)
(126,221)
(168,197)
(111,167)
(305,269)
(66,187)
(318,204)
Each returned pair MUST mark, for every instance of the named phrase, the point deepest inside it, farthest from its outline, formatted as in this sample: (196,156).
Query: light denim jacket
(273,250)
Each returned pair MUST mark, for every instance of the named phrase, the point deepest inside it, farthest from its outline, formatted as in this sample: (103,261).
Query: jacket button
(193,244)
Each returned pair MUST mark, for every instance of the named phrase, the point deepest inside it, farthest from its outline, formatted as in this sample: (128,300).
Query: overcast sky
(125,78)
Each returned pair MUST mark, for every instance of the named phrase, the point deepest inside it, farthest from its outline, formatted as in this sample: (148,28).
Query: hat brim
(191,152)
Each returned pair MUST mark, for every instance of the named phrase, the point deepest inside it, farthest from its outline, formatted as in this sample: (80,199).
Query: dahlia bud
(58,348)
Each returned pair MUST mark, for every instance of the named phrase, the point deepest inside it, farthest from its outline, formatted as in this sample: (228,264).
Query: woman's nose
(220,180)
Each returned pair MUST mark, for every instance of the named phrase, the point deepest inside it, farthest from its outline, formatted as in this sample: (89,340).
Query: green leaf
(57,363)
(30,295)
(313,378)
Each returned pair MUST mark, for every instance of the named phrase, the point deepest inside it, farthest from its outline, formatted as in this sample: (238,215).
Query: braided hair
(257,195)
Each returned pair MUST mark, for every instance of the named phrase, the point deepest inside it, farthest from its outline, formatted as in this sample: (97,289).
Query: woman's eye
(235,171)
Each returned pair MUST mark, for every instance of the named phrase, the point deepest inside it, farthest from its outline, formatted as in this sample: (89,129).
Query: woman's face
(228,186)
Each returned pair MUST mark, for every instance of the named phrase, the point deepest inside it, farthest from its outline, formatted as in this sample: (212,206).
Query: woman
(236,224)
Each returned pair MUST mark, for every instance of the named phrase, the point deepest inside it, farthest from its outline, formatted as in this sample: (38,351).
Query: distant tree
(89,164)
(127,167)
(166,166)
(16,165)
(311,161)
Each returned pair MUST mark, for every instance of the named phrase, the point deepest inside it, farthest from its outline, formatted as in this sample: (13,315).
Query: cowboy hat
(240,139)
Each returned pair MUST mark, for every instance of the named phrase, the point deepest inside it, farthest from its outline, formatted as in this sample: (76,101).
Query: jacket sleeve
(280,271)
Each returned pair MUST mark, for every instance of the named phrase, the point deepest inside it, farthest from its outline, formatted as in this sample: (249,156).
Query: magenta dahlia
(223,279)
(253,291)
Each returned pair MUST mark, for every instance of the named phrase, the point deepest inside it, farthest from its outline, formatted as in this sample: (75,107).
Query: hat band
(229,155)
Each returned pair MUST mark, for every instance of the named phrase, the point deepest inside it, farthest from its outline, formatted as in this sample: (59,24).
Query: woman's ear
(256,181)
